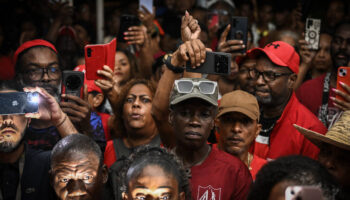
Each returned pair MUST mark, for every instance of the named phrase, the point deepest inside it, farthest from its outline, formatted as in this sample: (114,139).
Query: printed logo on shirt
(208,193)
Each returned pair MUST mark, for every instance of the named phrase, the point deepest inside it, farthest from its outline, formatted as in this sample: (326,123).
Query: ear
(182,196)
(171,118)
(28,122)
(259,126)
(124,196)
(291,80)
(104,174)
(97,100)
(217,125)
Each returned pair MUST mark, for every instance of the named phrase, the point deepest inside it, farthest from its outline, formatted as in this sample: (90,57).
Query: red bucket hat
(32,43)
(281,54)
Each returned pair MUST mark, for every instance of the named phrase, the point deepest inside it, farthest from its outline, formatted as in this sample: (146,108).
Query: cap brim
(272,57)
(237,109)
(192,96)
(318,139)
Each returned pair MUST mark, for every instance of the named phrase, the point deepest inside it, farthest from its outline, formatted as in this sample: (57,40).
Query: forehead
(40,56)
(194,104)
(343,31)
(76,159)
(235,116)
(249,62)
(139,89)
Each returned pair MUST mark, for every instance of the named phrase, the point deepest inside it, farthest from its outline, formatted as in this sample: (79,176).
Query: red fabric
(280,53)
(222,175)
(7,69)
(256,164)
(310,95)
(285,139)
(32,43)
(109,154)
(104,118)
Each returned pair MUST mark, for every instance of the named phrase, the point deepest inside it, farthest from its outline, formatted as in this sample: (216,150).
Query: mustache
(8,125)
(261,90)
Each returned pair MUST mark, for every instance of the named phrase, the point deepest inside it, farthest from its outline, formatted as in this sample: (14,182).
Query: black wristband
(167,62)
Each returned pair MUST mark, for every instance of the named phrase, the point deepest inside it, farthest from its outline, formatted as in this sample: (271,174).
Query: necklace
(250,158)
(268,129)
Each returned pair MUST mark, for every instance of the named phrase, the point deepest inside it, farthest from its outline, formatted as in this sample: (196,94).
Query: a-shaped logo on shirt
(208,193)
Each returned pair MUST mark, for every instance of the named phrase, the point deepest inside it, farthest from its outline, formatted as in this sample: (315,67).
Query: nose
(6,119)
(45,76)
(194,120)
(322,53)
(329,164)
(76,188)
(236,127)
(260,80)
(136,103)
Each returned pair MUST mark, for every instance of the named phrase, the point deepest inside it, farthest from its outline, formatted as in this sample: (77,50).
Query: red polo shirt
(284,139)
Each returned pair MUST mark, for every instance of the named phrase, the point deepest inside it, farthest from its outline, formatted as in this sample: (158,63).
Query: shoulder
(226,159)
(37,155)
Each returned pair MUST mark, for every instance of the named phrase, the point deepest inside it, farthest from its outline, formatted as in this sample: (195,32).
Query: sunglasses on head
(187,86)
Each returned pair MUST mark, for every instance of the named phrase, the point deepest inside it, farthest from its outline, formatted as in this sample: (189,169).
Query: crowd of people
(150,129)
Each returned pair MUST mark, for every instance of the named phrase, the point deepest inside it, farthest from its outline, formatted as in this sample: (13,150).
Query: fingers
(76,99)
(85,93)
(231,45)
(345,86)
(345,96)
(185,20)
(341,104)
(32,115)
(104,84)
(224,34)
(196,52)
(74,112)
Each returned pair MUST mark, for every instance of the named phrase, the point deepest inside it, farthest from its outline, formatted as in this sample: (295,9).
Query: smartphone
(239,31)
(19,103)
(148,4)
(312,33)
(303,193)
(343,76)
(98,55)
(215,63)
(214,20)
(126,21)
(73,83)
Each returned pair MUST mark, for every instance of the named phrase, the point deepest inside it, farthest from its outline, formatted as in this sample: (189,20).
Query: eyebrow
(144,187)
(142,95)
(38,65)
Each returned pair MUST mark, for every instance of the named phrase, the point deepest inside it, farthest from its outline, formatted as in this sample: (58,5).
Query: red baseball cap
(248,54)
(280,53)
(32,43)
(91,86)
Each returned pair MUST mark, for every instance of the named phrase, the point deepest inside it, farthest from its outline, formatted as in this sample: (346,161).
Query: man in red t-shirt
(214,174)
(318,94)
(275,73)
(238,125)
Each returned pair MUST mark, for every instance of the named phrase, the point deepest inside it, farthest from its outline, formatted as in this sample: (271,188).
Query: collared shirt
(284,139)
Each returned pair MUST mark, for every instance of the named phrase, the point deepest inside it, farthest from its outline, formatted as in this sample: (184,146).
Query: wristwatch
(167,62)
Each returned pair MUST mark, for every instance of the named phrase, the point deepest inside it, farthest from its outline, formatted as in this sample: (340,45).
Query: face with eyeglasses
(246,82)
(40,67)
(340,46)
(274,84)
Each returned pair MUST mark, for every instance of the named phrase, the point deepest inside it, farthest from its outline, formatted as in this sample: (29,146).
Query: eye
(206,113)
(53,69)
(140,197)
(146,100)
(129,100)
(165,197)
(87,177)
(64,180)
(269,75)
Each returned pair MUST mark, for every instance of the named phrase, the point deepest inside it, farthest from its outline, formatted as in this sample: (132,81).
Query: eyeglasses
(186,86)
(267,75)
(38,73)
(244,70)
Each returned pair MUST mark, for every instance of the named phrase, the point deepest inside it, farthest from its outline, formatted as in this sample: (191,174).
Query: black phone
(73,83)
(19,103)
(239,31)
(215,63)
(312,33)
(126,21)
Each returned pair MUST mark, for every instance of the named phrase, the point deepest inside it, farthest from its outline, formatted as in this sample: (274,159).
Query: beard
(263,99)
(7,147)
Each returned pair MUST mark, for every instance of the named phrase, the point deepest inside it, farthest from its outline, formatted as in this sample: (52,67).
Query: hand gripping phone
(98,55)
(19,103)
(73,83)
(312,33)
(215,63)
(126,21)
(239,31)
(343,76)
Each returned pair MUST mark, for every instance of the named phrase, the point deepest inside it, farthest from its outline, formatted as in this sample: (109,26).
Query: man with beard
(318,94)
(275,74)
(37,64)
(193,105)
(77,169)
(23,170)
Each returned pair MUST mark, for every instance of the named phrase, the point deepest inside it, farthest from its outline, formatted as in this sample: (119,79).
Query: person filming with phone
(24,170)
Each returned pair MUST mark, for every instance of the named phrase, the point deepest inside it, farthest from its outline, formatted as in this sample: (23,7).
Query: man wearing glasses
(214,174)
(37,64)
(275,74)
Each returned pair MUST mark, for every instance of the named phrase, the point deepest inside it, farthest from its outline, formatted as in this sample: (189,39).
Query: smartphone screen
(19,103)
(148,4)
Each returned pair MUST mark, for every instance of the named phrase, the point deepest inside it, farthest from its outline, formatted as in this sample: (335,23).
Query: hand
(306,54)
(136,35)
(109,82)
(193,50)
(190,29)
(230,45)
(147,17)
(49,109)
(342,104)
(61,10)
(78,110)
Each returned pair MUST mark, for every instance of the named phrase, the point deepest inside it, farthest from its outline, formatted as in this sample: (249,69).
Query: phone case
(73,83)
(98,55)
(19,103)
(126,21)
(215,63)
(343,76)
(239,31)
(312,33)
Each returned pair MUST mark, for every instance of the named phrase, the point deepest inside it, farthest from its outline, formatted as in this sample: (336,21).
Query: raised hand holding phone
(342,99)
(234,47)
(190,28)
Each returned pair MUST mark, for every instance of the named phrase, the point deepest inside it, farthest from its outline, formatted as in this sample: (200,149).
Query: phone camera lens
(73,82)
(89,52)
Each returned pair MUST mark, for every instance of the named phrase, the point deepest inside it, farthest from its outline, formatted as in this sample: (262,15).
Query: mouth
(193,135)
(262,93)
(136,116)
(233,141)
(118,73)
(8,131)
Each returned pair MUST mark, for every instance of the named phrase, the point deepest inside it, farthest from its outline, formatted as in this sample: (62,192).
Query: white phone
(147,4)
(303,193)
